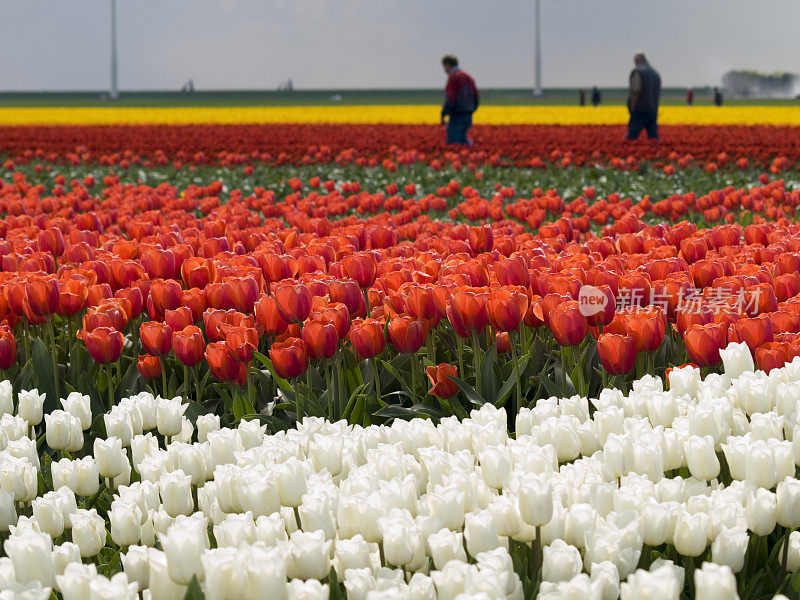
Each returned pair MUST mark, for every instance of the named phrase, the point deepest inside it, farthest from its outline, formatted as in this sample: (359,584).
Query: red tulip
(502,342)
(617,353)
(8,348)
(320,338)
(42,296)
(156,337)
(189,345)
(441,384)
(512,271)
(72,296)
(367,338)
(418,300)
(703,342)
(597,304)
(568,325)
(647,328)
(165,294)
(506,307)
(481,239)
(361,267)
(195,300)
(149,366)
(407,334)
(348,293)
(179,318)
(104,344)
(772,355)
(222,365)
(289,358)
(197,272)
(467,311)
(293,301)
(241,341)
(753,331)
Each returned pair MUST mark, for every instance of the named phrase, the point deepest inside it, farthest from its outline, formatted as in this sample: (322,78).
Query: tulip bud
(184,543)
(161,585)
(6,398)
(135,564)
(353,553)
(206,424)
(788,503)
(61,431)
(700,457)
(737,359)
(169,416)
(76,579)
(31,554)
(65,554)
(560,562)
(535,499)
(307,590)
(109,456)
(761,512)
(47,512)
(480,533)
(291,482)
(31,405)
(691,533)
(88,531)
(176,493)
(715,582)
(126,523)
(310,555)
(729,548)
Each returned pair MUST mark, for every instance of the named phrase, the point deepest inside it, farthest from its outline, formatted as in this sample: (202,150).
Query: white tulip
(30,406)
(560,562)
(715,582)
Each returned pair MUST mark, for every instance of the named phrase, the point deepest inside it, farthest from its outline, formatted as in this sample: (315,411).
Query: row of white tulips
(412,510)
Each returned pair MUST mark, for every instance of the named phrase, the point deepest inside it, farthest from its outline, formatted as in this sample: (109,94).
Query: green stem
(164,377)
(327,368)
(476,352)
(414,376)
(515,365)
(785,552)
(54,357)
(460,352)
(377,378)
(110,387)
(297,400)
(430,348)
(340,382)
(186,382)
(366,299)
(563,352)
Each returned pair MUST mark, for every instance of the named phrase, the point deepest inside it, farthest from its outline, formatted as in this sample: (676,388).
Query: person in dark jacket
(717,97)
(645,91)
(595,96)
(460,101)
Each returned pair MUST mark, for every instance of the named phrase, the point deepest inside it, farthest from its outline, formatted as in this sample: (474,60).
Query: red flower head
(197,272)
(179,318)
(647,328)
(441,384)
(268,316)
(72,296)
(506,308)
(753,331)
(568,325)
(149,366)
(221,363)
(42,295)
(481,239)
(348,293)
(772,355)
(242,341)
(703,342)
(513,271)
(418,300)
(156,337)
(293,301)
(617,353)
(467,311)
(289,358)
(320,338)
(189,345)
(407,335)
(165,294)
(361,267)
(104,344)
(8,348)
(367,338)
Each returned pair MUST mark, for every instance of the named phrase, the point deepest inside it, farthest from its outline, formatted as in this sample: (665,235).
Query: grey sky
(239,44)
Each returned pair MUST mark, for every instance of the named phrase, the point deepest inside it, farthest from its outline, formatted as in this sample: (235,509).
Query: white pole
(537,89)
(113,93)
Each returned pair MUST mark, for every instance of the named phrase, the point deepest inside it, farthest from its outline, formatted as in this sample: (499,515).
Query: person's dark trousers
(642,120)
(457,127)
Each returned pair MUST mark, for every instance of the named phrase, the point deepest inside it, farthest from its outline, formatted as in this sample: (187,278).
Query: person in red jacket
(460,101)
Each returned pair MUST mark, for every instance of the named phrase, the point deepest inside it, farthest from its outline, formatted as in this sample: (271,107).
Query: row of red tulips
(737,146)
(130,284)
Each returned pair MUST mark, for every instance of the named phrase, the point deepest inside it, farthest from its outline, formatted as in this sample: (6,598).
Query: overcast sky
(240,44)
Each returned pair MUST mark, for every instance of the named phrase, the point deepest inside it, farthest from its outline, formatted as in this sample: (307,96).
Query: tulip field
(303,360)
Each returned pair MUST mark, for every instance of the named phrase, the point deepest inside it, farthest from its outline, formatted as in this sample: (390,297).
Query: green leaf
(193,591)
(396,374)
(512,380)
(471,394)
(43,368)
(127,386)
(552,388)
(489,384)
(284,385)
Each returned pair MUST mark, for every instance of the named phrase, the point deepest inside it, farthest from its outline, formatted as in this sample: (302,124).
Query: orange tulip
(8,348)
(104,344)
(568,325)
(441,384)
(156,337)
(703,342)
(149,366)
(367,338)
(289,358)
(506,308)
(189,345)
(293,301)
(407,334)
(361,267)
(617,353)
(320,338)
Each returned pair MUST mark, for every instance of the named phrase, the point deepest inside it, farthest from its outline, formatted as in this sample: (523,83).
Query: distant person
(595,96)
(581,98)
(460,101)
(645,91)
(690,97)
(717,96)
